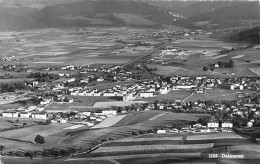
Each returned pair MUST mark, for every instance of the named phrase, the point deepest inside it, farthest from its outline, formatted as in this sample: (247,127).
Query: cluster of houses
(89,118)
(143,89)
(212,126)
(7,58)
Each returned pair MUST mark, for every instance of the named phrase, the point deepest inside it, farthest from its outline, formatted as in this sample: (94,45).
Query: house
(109,112)
(128,97)
(35,83)
(25,115)
(63,121)
(161,131)
(87,123)
(186,86)
(10,114)
(146,94)
(164,90)
(227,125)
(39,116)
(71,80)
(45,101)
(197,125)
(213,124)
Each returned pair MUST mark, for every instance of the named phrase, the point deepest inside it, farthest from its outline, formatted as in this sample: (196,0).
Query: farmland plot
(110,121)
(152,147)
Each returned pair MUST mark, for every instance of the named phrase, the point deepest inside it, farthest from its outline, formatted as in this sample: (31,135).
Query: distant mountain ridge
(96,12)
(20,14)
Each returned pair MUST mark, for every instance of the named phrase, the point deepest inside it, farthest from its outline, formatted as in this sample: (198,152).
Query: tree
(134,133)
(212,68)
(231,63)
(2,147)
(205,68)
(39,139)
(203,121)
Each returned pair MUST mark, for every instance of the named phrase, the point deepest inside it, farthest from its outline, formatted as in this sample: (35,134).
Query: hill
(13,16)
(214,14)
(106,12)
(251,35)
(86,13)
(231,15)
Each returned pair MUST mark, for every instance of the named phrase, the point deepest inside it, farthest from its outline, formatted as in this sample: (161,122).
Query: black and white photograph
(129,82)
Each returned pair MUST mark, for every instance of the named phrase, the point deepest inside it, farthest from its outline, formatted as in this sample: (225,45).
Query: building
(186,86)
(10,114)
(161,131)
(25,115)
(109,112)
(213,125)
(146,94)
(39,116)
(227,125)
(128,97)
(164,90)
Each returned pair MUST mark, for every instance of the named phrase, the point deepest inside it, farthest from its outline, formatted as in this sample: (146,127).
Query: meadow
(214,94)
(68,46)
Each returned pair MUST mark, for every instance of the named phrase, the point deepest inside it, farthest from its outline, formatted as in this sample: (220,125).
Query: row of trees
(13,86)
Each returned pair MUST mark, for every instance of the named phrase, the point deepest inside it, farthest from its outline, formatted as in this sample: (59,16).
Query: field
(255,70)
(115,103)
(214,94)
(154,148)
(134,19)
(23,139)
(52,47)
(71,136)
(157,118)
(171,95)
(206,52)
(13,122)
(110,121)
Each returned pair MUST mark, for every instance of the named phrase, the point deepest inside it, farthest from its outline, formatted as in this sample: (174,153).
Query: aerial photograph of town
(129,81)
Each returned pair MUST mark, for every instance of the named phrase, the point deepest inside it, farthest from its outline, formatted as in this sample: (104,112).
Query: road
(147,54)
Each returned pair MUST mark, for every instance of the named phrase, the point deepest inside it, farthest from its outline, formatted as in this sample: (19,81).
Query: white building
(146,94)
(39,116)
(232,87)
(10,114)
(227,125)
(128,97)
(186,86)
(213,125)
(164,90)
(86,113)
(25,115)
(109,112)
(161,131)
(241,87)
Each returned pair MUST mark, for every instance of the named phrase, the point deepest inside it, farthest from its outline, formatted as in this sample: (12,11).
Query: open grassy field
(214,94)
(23,139)
(134,19)
(134,118)
(110,121)
(255,70)
(171,95)
(50,47)
(152,147)
(157,118)
(13,122)
(116,103)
